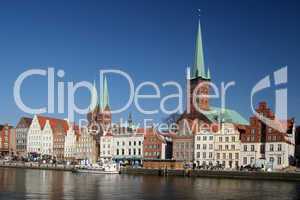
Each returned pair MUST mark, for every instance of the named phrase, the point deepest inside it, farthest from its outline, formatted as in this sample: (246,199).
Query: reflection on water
(39,184)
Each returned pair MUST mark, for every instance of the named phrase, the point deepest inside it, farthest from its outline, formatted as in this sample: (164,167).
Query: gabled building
(46,136)
(21,136)
(265,146)
(86,147)
(70,146)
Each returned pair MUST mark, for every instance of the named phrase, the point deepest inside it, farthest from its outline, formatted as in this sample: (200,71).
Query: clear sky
(152,41)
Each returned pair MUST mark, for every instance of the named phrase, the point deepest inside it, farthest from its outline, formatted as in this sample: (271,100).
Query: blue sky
(150,40)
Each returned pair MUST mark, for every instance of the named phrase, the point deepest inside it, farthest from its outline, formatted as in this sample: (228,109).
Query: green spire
(208,74)
(94,97)
(105,96)
(199,70)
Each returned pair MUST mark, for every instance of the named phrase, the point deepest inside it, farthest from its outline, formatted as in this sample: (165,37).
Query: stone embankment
(280,176)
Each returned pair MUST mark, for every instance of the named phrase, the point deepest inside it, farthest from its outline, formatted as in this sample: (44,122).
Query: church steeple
(199,67)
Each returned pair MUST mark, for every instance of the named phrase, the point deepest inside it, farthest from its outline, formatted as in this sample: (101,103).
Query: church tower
(199,79)
(99,117)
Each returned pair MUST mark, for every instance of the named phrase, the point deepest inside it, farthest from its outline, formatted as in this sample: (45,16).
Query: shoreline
(37,167)
(277,176)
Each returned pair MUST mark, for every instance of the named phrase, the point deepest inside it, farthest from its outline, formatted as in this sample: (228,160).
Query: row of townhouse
(233,143)
(135,146)
(56,138)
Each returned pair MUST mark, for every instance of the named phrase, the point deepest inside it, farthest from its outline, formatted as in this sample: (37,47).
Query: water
(40,184)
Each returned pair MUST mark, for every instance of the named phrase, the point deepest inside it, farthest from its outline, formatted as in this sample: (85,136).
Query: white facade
(107,147)
(70,143)
(204,148)
(227,146)
(218,148)
(122,146)
(40,140)
(276,154)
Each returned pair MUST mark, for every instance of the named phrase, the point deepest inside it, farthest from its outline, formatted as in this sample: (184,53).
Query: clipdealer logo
(135,95)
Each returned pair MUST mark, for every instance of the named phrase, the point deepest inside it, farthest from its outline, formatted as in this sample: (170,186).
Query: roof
(217,115)
(54,123)
(26,121)
(226,116)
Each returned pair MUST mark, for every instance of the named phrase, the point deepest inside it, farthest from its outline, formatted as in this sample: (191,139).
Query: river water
(56,185)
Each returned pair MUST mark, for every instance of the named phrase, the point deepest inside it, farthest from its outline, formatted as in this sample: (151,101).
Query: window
(279,147)
(211,138)
(204,138)
(236,155)
(210,146)
(198,138)
(230,156)
(245,147)
(271,147)
(198,146)
(204,155)
(233,139)
(204,146)
(224,155)
(226,147)
(210,154)
(218,155)
(252,147)
(232,147)
(220,139)
(227,139)
(245,160)
(220,147)
(198,154)
(279,160)
(252,160)
(271,159)
(253,131)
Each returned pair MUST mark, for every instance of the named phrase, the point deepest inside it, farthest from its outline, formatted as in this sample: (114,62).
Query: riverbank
(279,176)
(37,166)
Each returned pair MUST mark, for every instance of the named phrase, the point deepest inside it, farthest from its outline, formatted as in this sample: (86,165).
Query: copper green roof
(225,116)
(199,66)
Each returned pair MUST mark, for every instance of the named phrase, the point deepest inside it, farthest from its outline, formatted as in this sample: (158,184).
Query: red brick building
(262,142)
(154,145)
(5,131)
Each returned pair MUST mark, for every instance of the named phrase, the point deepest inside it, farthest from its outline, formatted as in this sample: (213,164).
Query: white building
(122,147)
(40,136)
(227,146)
(71,142)
(204,148)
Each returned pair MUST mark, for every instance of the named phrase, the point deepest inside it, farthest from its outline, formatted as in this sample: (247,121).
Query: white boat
(105,169)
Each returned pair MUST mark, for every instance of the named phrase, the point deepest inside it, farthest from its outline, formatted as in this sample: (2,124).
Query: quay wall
(279,176)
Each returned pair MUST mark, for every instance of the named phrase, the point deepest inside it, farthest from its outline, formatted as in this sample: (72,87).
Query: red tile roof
(54,123)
